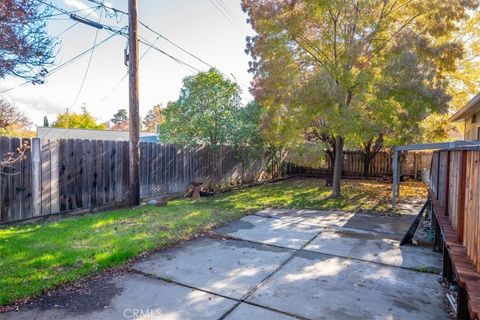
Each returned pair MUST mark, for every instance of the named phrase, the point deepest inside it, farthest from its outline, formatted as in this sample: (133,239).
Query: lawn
(37,257)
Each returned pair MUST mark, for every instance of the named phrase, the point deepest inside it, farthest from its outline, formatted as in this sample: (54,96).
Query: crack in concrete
(261,283)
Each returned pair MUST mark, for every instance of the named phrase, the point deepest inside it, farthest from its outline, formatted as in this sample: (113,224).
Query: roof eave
(469,109)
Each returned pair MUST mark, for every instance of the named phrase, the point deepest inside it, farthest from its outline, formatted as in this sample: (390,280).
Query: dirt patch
(94,296)
(82,296)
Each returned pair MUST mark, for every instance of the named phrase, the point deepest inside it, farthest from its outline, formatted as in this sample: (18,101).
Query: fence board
(26,188)
(5,200)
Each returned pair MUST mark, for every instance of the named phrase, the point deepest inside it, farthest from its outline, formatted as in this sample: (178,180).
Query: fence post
(461,196)
(394,180)
(447,181)
(36,177)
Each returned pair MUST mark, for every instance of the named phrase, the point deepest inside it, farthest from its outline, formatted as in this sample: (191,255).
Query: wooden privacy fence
(455,193)
(68,175)
(411,164)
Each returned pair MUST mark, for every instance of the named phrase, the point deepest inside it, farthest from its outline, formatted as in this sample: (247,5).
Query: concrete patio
(276,264)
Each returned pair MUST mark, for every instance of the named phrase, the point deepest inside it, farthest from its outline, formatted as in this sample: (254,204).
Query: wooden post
(36,177)
(394,179)
(447,272)
(436,240)
(462,304)
(447,181)
(134,121)
(461,197)
(415,166)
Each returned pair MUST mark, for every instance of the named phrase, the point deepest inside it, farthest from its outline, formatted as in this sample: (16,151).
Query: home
(470,115)
(49,133)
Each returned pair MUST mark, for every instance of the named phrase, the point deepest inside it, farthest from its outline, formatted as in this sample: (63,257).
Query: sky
(196,25)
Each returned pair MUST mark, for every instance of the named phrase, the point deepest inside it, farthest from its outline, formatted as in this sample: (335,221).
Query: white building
(49,133)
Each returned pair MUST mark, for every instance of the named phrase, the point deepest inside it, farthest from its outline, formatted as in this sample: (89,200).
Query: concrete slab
(395,225)
(385,224)
(227,267)
(317,286)
(246,311)
(278,232)
(135,296)
(375,247)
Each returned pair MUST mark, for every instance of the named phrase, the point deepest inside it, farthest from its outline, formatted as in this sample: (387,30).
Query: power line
(142,41)
(99,3)
(63,65)
(74,11)
(88,64)
(226,17)
(61,10)
(126,74)
(229,13)
(80,55)
(155,32)
(81,19)
(74,24)
(176,45)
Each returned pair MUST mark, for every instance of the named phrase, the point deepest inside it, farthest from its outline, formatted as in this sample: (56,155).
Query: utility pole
(133,105)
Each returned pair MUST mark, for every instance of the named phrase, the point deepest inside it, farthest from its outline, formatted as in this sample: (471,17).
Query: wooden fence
(69,175)
(455,191)
(411,164)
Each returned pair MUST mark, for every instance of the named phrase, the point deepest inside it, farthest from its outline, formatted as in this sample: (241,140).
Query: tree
(120,120)
(339,62)
(25,47)
(205,112)
(153,118)
(83,120)
(12,121)
(463,83)
(45,121)
(247,139)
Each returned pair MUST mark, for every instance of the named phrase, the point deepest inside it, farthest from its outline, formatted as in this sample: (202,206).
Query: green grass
(37,257)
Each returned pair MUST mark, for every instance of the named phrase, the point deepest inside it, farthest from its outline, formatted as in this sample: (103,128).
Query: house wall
(472,127)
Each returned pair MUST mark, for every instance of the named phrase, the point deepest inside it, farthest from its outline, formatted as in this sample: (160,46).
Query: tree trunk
(366,164)
(337,167)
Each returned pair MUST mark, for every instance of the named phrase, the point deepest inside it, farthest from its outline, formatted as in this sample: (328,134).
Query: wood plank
(143,170)
(54,177)
(101,173)
(87,175)
(461,197)
(36,177)
(118,172)
(79,167)
(125,171)
(108,171)
(5,198)
(71,161)
(26,202)
(46,177)
(16,183)
(95,168)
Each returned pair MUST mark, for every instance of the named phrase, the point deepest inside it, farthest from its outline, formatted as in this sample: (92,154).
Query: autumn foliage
(25,47)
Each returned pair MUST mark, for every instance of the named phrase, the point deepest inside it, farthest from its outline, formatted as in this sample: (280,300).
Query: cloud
(77,4)
(35,105)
